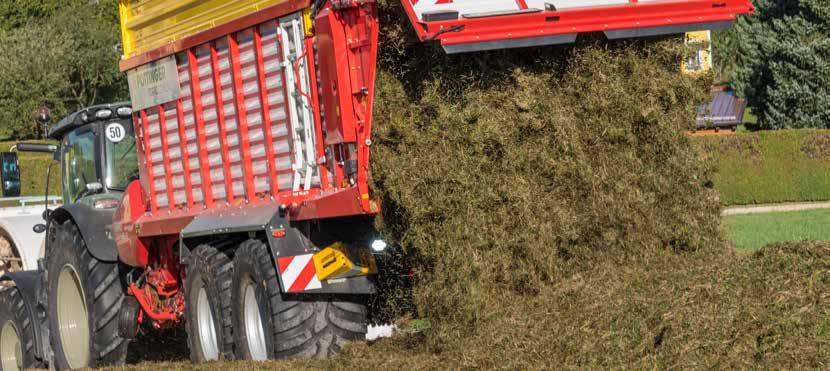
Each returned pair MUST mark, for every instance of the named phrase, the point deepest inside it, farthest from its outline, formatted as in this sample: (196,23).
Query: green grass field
(33,172)
(770,166)
(751,232)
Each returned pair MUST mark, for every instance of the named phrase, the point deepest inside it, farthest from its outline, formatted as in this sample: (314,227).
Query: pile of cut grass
(553,211)
(497,168)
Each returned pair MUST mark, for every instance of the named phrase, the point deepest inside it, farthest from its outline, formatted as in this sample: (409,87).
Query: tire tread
(310,326)
(219,270)
(11,298)
(104,285)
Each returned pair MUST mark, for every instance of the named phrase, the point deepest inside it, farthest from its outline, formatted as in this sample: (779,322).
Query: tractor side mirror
(54,149)
(36,147)
(9,174)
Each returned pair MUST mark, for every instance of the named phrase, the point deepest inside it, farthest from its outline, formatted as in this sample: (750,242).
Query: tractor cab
(97,155)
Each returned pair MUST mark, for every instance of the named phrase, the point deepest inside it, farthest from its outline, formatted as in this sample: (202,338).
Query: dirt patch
(159,346)
(735,145)
(817,146)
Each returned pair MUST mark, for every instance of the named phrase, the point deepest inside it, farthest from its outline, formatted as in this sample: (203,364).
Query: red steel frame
(578,20)
(188,182)
(151,182)
(168,179)
(198,113)
(266,110)
(242,117)
(318,122)
(220,116)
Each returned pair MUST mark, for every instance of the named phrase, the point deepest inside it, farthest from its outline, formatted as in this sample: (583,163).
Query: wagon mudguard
(284,240)
(28,283)
(95,226)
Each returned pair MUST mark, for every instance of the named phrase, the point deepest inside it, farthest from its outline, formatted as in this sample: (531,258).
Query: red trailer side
(257,129)
(249,127)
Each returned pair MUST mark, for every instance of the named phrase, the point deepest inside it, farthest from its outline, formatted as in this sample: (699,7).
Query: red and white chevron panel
(299,273)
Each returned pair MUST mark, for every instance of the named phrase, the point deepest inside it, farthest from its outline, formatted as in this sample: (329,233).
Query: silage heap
(553,210)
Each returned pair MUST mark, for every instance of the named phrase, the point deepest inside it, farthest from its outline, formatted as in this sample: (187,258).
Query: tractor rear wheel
(17,337)
(85,296)
(207,303)
(272,325)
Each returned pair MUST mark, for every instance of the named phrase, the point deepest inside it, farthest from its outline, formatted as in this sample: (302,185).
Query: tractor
(69,307)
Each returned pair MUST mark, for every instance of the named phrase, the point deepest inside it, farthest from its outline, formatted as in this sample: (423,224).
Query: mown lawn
(751,232)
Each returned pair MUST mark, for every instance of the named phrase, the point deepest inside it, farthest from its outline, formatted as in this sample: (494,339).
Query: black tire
(303,326)
(13,312)
(212,270)
(103,293)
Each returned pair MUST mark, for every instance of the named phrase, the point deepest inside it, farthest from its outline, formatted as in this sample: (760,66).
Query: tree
(67,60)
(17,13)
(783,63)
(724,54)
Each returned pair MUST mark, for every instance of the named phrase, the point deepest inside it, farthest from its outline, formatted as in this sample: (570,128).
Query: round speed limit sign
(115,132)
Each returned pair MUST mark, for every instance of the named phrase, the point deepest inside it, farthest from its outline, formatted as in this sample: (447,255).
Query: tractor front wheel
(85,296)
(17,337)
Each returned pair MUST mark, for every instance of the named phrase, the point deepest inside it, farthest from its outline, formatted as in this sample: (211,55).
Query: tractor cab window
(78,164)
(122,163)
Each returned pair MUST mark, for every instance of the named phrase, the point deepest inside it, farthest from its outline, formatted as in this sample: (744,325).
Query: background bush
(62,53)
(770,166)
(783,63)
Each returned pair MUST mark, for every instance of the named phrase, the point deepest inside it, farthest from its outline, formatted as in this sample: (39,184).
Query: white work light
(378,245)
(103,114)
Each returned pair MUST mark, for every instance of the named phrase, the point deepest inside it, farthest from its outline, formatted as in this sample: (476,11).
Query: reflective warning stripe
(299,273)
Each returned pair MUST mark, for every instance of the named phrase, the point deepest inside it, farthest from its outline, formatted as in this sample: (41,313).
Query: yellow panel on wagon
(150,24)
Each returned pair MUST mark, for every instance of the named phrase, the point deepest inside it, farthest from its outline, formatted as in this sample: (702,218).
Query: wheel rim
(11,354)
(207,331)
(73,321)
(253,325)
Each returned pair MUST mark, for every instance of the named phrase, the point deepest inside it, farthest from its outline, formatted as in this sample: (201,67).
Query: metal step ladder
(295,67)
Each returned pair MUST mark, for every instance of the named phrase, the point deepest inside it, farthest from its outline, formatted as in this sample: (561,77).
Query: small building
(725,110)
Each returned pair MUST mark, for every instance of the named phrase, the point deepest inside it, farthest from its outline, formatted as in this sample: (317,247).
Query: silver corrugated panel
(724,110)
